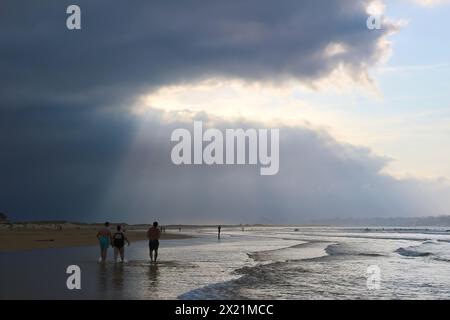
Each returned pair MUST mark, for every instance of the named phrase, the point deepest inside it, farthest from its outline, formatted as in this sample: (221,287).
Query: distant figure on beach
(218,232)
(104,238)
(153,235)
(119,239)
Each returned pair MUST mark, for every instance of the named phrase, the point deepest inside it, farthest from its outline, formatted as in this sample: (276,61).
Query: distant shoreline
(421,221)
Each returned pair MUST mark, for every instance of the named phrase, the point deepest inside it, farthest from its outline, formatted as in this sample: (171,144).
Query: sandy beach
(43,236)
(286,262)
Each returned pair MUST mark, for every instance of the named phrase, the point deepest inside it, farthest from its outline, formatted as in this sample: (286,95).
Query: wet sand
(25,239)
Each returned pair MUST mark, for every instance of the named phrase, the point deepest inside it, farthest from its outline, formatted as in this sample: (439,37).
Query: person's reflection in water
(117,277)
(102,280)
(153,274)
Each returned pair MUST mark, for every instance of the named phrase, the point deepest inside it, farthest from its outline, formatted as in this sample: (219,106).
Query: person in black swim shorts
(153,235)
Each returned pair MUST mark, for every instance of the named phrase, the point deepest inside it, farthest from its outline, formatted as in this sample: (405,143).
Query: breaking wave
(412,252)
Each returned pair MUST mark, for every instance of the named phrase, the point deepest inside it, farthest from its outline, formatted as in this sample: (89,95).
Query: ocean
(258,263)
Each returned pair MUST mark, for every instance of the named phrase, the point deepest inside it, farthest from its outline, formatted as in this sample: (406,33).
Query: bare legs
(103,254)
(117,252)
(151,255)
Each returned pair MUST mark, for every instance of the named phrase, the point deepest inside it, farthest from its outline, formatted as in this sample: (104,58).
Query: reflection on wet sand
(102,277)
(117,277)
(117,280)
(153,274)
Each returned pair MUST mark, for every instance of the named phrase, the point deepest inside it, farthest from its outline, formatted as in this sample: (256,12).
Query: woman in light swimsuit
(104,238)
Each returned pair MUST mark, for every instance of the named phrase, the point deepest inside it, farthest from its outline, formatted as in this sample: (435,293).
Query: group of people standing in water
(118,239)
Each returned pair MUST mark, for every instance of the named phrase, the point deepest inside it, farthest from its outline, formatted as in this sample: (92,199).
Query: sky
(86,115)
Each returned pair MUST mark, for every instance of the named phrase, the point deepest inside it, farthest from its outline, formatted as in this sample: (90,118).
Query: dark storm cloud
(56,162)
(125,47)
(65,132)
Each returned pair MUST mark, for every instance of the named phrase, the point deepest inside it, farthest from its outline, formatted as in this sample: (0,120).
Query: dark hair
(106,224)
(119,227)
(155,224)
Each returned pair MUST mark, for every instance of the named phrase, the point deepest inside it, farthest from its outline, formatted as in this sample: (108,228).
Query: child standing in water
(119,239)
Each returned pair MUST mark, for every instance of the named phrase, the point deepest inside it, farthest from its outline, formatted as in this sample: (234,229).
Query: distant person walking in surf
(104,238)
(118,240)
(153,235)
(219,228)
